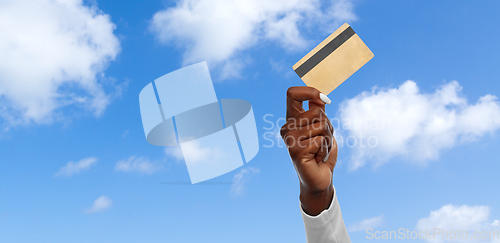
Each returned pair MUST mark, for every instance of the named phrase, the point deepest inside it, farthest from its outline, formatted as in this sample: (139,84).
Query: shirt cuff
(328,226)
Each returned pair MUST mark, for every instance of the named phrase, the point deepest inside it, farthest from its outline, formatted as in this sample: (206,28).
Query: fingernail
(325,98)
(326,157)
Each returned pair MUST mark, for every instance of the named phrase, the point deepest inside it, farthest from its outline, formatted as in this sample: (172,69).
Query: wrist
(315,202)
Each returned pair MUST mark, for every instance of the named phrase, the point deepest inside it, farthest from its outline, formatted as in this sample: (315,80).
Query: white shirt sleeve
(328,226)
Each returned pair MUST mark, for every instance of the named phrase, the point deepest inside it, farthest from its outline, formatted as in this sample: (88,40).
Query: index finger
(295,96)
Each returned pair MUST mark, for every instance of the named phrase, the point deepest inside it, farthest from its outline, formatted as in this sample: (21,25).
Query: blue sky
(69,86)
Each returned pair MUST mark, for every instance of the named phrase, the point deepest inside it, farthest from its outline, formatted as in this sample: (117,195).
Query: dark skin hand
(308,136)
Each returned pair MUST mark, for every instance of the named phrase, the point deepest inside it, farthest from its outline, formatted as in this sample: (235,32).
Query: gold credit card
(334,60)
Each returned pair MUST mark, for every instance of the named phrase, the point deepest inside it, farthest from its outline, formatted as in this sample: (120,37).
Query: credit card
(334,60)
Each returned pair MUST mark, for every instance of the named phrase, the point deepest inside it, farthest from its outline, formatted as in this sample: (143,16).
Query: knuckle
(290,139)
(316,111)
(320,126)
(290,91)
(303,121)
(331,127)
(287,127)
(325,126)
(287,139)
(283,131)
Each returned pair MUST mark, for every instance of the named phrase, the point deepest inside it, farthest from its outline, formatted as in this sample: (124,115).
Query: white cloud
(72,168)
(140,164)
(174,152)
(405,122)
(216,30)
(464,218)
(195,153)
(51,53)
(100,204)
(241,178)
(367,223)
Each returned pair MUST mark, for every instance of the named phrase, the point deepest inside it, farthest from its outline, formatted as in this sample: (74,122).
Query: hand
(308,136)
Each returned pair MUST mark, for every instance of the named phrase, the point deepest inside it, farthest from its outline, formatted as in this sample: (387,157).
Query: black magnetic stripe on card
(324,52)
